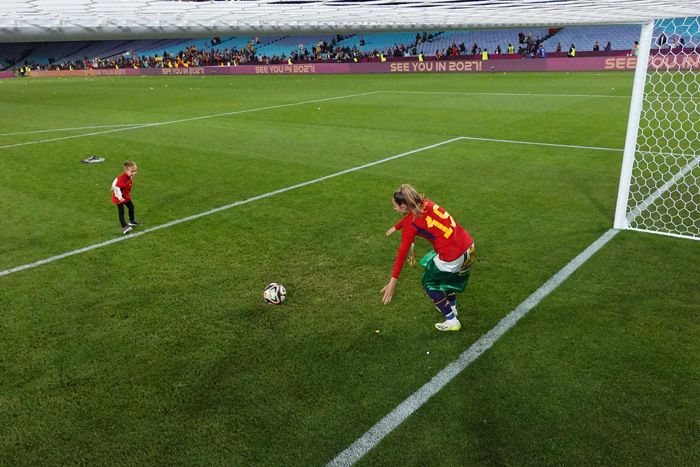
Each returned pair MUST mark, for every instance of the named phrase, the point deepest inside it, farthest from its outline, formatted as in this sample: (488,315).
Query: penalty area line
(219,209)
(386,425)
(91,127)
(537,143)
(506,94)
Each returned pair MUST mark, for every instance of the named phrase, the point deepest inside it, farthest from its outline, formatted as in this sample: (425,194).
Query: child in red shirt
(121,196)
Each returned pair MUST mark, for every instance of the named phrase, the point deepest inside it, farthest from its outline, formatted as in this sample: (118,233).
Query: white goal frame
(628,209)
(640,76)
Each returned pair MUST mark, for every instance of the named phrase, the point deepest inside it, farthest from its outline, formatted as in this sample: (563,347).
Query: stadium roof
(55,20)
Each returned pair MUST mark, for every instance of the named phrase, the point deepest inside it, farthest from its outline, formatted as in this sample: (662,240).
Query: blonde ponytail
(409,197)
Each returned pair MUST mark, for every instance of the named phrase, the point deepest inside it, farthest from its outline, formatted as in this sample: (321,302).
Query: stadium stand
(54,52)
(276,49)
(240,42)
(484,38)
(13,53)
(621,37)
(171,47)
(287,44)
(379,41)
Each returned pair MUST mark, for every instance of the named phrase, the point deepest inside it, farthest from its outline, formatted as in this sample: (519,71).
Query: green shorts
(435,279)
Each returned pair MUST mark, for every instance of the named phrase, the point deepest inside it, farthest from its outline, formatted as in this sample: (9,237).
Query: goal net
(660,180)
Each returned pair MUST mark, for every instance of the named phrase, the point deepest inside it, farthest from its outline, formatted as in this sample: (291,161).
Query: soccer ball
(274,293)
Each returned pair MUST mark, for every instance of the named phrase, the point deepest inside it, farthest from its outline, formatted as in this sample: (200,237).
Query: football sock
(441,302)
(452,299)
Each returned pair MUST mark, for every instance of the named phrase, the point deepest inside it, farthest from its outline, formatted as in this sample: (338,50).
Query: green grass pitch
(160,350)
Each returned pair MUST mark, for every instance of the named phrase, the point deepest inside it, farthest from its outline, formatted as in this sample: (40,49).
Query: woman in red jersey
(447,268)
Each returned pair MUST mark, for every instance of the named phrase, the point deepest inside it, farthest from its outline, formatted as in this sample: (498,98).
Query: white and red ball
(274,293)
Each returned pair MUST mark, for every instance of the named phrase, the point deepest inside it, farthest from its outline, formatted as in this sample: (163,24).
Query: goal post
(640,75)
(659,190)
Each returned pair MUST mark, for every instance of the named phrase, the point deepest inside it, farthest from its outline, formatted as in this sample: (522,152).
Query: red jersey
(121,186)
(448,238)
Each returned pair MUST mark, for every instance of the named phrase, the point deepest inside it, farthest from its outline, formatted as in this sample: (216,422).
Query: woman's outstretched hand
(388,291)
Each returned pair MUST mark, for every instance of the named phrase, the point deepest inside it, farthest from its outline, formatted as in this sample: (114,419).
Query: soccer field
(157,348)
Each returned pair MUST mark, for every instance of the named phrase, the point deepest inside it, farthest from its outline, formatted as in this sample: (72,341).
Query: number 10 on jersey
(442,214)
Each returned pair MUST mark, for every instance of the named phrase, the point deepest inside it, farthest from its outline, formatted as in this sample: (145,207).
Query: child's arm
(117,191)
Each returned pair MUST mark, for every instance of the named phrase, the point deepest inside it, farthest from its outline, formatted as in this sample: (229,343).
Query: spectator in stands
(558,47)
(497,51)
(661,41)
(596,47)
(635,49)
(474,47)
(572,51)
(541,52)
(608,47)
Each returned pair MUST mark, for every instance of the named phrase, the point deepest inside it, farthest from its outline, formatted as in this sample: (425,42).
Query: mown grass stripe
(416,400)
(215,210)
(189,119)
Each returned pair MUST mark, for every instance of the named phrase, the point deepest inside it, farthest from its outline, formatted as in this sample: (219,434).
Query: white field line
(405,409)
(665,234)
(515,94)
(644,205)
(190,119)
(143,125)
(386,425)
(82,135)
(219,209)
(536,143)
(52,130)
